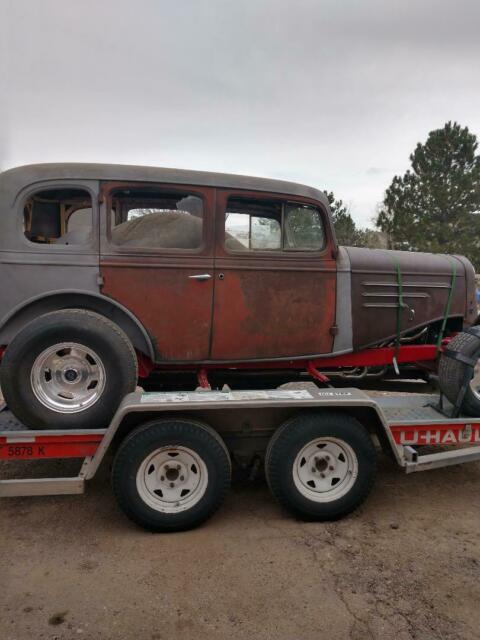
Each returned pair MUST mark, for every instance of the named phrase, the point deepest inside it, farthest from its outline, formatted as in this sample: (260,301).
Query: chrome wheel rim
(68,377)
(325,469)
(172,479)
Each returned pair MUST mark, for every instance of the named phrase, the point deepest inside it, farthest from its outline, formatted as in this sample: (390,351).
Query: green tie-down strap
(400,307)
(448,304)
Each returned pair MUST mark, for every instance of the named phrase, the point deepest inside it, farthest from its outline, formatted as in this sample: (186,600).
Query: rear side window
(147,218)
(253,228)
(59,216)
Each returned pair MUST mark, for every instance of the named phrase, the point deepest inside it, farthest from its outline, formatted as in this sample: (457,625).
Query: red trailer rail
(63,445)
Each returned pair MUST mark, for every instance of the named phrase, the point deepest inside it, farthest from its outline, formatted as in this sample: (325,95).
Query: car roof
(13,180)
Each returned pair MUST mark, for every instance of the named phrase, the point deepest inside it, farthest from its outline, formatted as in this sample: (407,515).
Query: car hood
(426,280)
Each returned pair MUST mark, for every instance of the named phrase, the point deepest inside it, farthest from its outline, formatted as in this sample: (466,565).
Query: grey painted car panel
(343,314)
(35,277)
(30,270)
(14,180)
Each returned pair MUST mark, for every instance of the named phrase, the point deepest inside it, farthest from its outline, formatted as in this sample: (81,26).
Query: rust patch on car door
(272,314)
(161,286)
(175,310)
(271,305)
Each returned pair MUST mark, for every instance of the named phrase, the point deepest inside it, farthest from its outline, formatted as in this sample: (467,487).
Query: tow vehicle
(173,451)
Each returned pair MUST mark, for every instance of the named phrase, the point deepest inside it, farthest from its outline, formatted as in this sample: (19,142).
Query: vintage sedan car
(110,271)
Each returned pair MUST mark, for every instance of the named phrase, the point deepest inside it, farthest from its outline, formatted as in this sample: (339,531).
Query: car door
(157,261)
(275,278)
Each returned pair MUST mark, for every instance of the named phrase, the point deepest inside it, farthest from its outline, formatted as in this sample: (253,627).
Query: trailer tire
(171,474)
(321,466)
(451,372)
(68,369)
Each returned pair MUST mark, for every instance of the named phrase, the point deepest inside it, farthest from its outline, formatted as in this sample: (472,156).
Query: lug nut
(182,478)
(313,470)
(162,478)
(322,475)
(172,484)
(331,468)
(178,467)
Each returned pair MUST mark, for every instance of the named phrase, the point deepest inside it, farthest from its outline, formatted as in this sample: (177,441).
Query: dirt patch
(57,618)
(406,566)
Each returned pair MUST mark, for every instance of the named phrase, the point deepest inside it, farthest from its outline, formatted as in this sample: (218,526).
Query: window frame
(107,190)
(285,200)
(88,186)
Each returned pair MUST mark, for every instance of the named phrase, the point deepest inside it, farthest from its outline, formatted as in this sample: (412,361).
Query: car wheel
(321,466)
(451,372)
(171,475)
(67,370)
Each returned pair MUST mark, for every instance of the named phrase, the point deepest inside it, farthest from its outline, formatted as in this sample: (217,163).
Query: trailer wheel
(67,369)
(171,475)
(321,466)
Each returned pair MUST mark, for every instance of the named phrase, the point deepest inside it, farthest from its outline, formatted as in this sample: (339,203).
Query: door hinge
(100,280)
(334,330)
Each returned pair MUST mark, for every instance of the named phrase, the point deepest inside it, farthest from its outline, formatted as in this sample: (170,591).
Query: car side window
(303,228)
(146,218)
(260,225)
(59,216)
(253,226)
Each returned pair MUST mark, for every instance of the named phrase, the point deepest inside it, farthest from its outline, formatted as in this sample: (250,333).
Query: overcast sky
(332,93)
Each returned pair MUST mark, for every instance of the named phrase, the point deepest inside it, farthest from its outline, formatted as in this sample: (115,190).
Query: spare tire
(452,371)
(3,404)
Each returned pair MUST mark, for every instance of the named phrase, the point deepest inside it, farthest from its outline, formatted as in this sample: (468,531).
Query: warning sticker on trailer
(224,396)
(334,394)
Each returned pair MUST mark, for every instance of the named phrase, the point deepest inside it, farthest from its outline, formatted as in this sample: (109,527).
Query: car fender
(77,299)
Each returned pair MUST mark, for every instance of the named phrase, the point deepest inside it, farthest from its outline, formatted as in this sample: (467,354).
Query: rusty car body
(208,270)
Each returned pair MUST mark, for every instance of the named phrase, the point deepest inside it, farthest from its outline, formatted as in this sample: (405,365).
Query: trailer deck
(418,434)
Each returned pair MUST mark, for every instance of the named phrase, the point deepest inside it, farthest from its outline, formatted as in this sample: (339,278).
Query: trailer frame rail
(409,422)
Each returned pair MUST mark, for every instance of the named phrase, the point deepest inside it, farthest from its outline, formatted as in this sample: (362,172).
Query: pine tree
(435,206)
(345,228)
(347,232)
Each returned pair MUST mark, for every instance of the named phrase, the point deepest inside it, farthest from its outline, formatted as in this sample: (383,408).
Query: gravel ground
(406,565)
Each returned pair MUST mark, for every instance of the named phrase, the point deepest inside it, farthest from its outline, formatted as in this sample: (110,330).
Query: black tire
(451,372)
(144,442)
(299,432)
(91,330)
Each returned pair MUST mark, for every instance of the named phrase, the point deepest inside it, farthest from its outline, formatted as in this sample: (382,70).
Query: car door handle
(200,276)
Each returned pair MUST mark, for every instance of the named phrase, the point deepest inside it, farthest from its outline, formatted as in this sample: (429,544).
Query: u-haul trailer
(173,451)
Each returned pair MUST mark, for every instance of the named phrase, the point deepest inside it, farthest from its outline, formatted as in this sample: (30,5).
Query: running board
(417,462)
(41,487)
